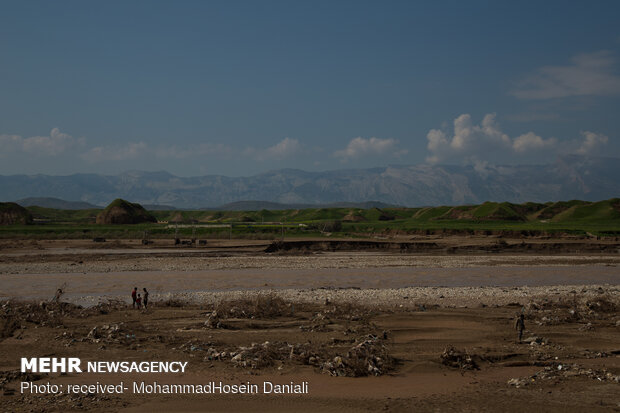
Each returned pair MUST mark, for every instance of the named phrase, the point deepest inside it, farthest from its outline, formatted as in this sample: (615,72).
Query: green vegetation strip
(572,217)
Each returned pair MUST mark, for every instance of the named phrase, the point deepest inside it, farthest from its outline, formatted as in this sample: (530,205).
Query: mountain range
(570,177)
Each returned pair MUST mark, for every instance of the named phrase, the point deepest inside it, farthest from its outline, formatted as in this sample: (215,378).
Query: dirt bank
(426,247)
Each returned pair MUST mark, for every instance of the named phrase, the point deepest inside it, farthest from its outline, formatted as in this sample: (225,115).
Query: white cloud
(56,143)
(486,142)
(189,151)
(590,74)
(360,147)
(591,142)
(467,139)
(130,151)
(284,149)
(531,141)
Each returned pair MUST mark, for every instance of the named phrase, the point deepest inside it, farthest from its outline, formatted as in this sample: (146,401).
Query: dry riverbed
(367,331)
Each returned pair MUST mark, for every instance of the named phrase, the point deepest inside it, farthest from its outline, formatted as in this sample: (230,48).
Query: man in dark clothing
(133,296)
(520,326)
(57,296)
(146,298)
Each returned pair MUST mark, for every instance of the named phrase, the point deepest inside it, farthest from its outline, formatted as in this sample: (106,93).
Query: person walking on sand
(133,297)
(520,326)
(139,301)
(146,298)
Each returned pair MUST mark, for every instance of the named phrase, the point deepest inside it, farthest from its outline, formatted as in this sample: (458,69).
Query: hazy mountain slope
(572,177)
(48,202)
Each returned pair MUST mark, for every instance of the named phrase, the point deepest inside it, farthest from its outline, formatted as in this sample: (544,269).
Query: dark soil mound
(12,213)
(124,212)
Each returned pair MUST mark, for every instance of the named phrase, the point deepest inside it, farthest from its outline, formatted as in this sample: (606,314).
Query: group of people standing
(138,300)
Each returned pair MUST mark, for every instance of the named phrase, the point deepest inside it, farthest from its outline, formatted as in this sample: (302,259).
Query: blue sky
(238,88)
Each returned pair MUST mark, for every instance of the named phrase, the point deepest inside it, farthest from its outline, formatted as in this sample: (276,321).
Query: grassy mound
(124,212)
(12,213)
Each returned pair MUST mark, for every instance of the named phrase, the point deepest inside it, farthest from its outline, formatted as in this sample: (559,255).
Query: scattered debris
(43,313)
(552,312)
(110,334)
(213,320)
(564,371)
(261,355)
(534,340)
(586,327)
(260,306)
(368,357)
(318,322)
(458,359)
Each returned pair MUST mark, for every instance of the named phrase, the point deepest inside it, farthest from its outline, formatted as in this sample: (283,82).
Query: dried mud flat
(360,347)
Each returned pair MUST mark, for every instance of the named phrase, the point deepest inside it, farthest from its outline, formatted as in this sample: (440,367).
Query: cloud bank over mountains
(360,147)
(470,143)
(465,143)
(52,145)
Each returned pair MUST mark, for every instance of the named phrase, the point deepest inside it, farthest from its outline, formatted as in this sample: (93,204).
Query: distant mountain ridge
(571,177)
(275,206)
(49,202)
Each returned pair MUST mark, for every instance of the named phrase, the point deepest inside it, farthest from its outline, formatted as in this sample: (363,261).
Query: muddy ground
(399,344)
(423,357)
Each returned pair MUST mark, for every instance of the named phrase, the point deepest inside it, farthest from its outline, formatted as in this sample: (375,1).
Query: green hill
(124,212)
(12,213)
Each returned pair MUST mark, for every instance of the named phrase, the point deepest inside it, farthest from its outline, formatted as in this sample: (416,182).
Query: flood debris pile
(262,355)
(51,313)
(16,314)
(213,320)
(535,340)
(257,355)
(107,307)
(541,350)
(110,334)
(573,310)
(67,338)
(318,323)
(356,318)
(558,372)
(350,311)
(367,357)
(260,306)
(455,358)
